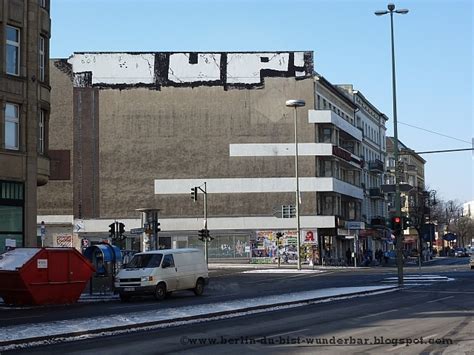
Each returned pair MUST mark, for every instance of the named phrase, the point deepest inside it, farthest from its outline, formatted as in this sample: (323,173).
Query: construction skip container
(38,276)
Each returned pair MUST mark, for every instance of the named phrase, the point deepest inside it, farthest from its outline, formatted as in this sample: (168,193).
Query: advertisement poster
(266,248)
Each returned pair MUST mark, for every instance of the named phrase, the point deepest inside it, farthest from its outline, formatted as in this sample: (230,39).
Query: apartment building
(372,123)
(411,170)
(25,30)
(143,129)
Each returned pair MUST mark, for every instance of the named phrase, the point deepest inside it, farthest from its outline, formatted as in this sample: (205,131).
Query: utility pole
(398,235)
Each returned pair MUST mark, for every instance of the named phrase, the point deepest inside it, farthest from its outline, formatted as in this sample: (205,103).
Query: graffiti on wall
(185,69)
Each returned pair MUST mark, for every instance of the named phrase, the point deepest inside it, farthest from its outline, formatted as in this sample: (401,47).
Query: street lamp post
(296,104)
(391,10)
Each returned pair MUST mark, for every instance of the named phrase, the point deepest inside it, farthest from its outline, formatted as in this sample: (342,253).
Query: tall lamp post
(296,104)
(391,10)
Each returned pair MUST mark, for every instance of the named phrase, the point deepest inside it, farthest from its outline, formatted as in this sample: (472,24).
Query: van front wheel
(160,292)
(199,289)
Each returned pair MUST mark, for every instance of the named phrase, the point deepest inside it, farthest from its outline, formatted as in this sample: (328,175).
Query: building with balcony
(334,120)
(372,123)
(411,170)
(139,130)
(25,26)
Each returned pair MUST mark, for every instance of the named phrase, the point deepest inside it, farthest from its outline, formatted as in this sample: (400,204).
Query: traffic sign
(355,225)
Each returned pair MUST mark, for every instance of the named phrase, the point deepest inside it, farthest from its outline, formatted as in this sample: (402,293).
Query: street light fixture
(391,10)
(296,104)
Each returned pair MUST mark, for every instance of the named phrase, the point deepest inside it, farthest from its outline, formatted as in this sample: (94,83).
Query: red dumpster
(36,276)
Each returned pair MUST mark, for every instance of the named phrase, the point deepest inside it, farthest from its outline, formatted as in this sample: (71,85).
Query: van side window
(169,259)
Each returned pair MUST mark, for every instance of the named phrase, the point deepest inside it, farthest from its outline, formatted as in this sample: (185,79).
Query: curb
(123,329)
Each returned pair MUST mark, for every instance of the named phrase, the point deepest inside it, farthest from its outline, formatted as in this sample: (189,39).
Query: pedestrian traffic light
(121,229)
(208,236)
(112,230)
(407,222)
(157,227)
(397,223)
(194,193)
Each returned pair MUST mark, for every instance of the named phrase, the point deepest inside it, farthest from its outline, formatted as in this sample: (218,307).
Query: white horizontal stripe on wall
(328,116)
(279,149)
(257,185)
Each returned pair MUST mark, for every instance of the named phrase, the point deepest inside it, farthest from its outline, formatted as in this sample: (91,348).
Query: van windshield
(145,261)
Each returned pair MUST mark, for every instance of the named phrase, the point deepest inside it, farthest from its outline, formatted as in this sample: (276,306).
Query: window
(145,261)
(41,121)
(326,135)
(41,59)
(13,50)
(12,123)
(42,3)
(168,260)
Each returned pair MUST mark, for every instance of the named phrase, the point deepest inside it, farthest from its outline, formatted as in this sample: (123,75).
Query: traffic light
(407,222)
(112,230)
(202,235)
(194,193)
(157,227)
(397,223)
(121,229)
(208,236)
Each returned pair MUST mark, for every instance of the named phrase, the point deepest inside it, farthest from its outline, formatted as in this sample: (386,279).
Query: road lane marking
(377,314)
(440,299)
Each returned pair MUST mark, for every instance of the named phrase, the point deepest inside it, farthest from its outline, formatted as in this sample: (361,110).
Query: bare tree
(463,227)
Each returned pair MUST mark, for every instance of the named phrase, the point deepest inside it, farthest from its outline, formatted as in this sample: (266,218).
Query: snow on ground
(130,320)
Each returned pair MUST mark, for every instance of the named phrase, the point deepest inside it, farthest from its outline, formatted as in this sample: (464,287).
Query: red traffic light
(397,219)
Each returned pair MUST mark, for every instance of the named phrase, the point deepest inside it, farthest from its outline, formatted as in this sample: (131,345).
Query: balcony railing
(376,193)
(376,166)
(378,221)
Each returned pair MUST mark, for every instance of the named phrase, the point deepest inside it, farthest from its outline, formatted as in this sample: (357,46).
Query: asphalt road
(438,318)
(439,311)
(225,285)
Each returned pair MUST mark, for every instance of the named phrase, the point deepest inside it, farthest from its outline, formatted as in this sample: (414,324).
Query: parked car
(460,252)
(471,262)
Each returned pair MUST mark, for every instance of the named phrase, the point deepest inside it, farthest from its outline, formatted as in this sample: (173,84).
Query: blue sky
(433,45)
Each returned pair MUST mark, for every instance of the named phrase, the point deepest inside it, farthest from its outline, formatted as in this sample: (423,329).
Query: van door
(169,272)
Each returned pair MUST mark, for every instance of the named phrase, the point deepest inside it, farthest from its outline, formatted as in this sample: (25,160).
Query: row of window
(12,128)
(13,50)
(332,168)
(371,133)
(322,104)
(332,205)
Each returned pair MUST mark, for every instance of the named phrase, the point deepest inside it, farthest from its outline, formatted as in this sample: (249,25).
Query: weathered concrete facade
(142,129)
(126,120)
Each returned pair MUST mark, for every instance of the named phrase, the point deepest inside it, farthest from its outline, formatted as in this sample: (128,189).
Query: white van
(160,272)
